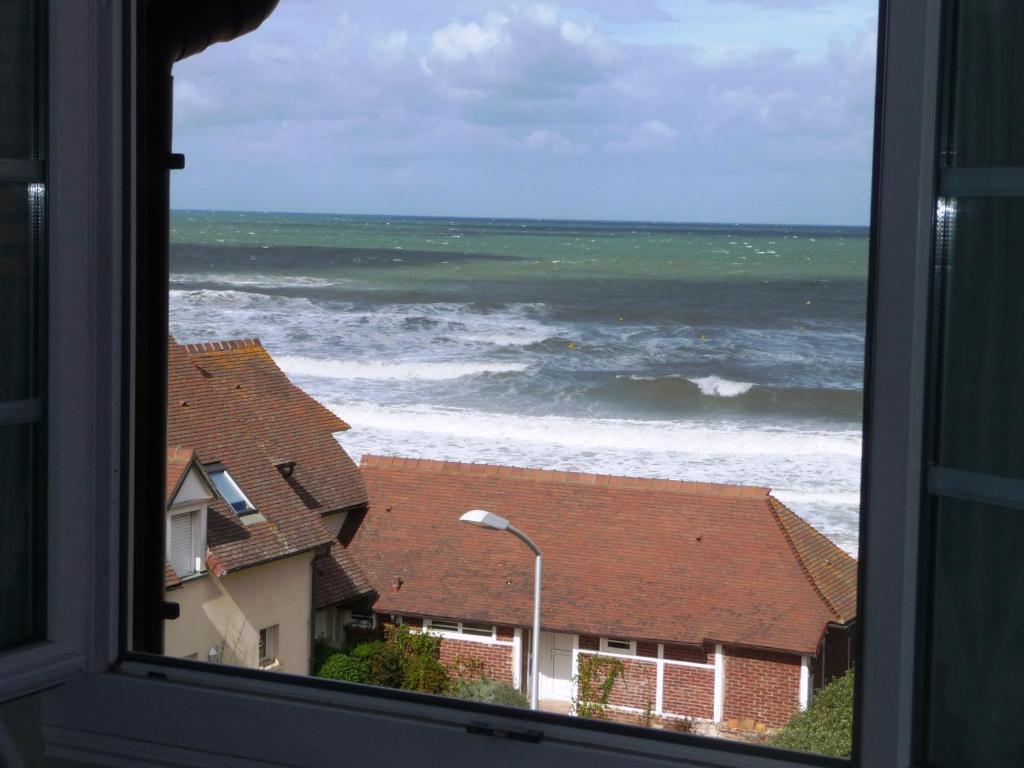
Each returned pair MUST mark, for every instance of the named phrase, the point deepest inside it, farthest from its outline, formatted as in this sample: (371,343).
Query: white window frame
(198,515)
(459,633)
(606,647)
(250,508)
(87,496)
(351,620)
(268,639)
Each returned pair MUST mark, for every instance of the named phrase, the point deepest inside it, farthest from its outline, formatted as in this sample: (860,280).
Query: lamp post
(483,519)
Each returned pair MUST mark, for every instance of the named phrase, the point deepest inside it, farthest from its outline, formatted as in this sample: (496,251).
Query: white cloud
(458,41)
(552,141)
(649,136)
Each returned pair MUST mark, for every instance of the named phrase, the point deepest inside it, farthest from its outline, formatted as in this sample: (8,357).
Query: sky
(754,111)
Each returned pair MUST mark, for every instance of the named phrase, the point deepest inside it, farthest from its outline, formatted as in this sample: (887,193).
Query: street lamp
(483,519)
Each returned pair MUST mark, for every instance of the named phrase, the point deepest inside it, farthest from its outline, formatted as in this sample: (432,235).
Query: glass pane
(977,669)
(20,226)
(18,78)
(981,422)
(20,510)
(988,96)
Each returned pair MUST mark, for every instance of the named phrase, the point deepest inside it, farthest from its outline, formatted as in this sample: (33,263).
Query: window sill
(273,666)
(143,691)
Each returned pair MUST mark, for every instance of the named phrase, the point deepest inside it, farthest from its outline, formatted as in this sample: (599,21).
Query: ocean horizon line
(861,229)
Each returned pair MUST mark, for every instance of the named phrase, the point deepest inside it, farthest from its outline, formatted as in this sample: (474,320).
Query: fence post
(659,696)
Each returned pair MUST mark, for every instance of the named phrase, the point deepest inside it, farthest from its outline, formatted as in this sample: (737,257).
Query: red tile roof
(235,406)
(623,557)
(179,459)
(337,578)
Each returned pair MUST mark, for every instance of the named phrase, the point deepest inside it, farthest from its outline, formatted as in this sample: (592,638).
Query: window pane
(20,230)
(981,419)
(20,590)
(988,98)
(976,667)
(18,78)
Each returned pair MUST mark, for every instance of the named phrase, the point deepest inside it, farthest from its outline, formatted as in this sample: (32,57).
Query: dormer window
(229,490)
(186,542)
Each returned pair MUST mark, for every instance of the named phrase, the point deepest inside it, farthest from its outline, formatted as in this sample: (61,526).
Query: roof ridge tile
(568,477)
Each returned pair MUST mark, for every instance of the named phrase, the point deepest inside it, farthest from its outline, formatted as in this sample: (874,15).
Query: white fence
(660,662)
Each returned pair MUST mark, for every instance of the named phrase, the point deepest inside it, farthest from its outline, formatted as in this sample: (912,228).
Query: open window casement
(109,695)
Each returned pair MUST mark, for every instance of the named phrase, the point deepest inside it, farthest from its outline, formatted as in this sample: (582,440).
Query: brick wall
(761,686)
(637,686)
(689,691)
(497,659)
(589,643)
(694,653)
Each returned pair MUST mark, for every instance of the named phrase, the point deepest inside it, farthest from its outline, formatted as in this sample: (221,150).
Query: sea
(709,352)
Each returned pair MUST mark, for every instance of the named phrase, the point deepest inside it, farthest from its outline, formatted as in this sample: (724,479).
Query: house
(257,489)
(721,603)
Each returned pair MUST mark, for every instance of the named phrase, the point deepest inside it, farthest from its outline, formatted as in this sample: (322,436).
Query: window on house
(361,619)
(186,542)
(477,630)
(229,489)
(320,625)
(441,625)
(268,646)
(609,645)
(23,347)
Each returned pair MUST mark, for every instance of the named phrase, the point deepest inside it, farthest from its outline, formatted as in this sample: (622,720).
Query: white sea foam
(817,470)
(713,386)
(390,371)
(256,280)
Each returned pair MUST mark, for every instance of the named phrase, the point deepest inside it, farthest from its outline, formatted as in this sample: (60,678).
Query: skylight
(231,492)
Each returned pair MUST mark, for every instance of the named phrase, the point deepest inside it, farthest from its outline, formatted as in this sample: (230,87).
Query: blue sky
(672,110)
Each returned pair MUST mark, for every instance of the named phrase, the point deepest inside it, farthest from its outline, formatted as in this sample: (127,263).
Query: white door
(556,665)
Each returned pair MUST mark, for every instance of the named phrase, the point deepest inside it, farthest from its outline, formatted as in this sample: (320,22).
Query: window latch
(483,729)
(176,161)
(170,611)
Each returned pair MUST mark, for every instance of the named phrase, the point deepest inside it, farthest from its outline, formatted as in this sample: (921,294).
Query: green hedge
(826,726)
(343,667)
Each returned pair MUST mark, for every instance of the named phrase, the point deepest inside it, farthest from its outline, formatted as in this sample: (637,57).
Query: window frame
(83,396)
(197,517)
(89,72)
(459,633)
(268,638)
(605,646)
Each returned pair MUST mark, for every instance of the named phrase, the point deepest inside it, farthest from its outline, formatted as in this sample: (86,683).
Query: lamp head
(484,519)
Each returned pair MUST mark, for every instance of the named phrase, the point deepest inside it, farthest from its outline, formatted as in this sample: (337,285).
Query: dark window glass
(18,78)
(975,672)
(20,600)
(988,95)
(977,669)
(981,419)
(20,220)
(22,208)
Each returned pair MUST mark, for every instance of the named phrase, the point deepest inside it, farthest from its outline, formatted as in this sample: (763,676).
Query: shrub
(826,726)
(425,674)
(489,692)
(383,662)
(322,651)
(343,667)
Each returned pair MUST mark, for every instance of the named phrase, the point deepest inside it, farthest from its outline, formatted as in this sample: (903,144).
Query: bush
(343,667)
(425,674)
(383,662)
(489,692)
(826,726)
(321,653)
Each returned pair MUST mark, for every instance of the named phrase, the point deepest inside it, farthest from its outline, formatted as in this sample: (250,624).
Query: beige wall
(228,613)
